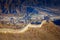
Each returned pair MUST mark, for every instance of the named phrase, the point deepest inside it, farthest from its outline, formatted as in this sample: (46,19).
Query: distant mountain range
(26,8)
(10,6)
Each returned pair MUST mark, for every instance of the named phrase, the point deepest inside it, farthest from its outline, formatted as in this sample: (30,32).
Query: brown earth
(47,31)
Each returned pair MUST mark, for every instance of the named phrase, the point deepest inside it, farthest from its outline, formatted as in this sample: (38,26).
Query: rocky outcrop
(47,31)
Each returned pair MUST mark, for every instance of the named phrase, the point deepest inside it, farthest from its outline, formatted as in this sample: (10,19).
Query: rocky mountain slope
(47,31)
